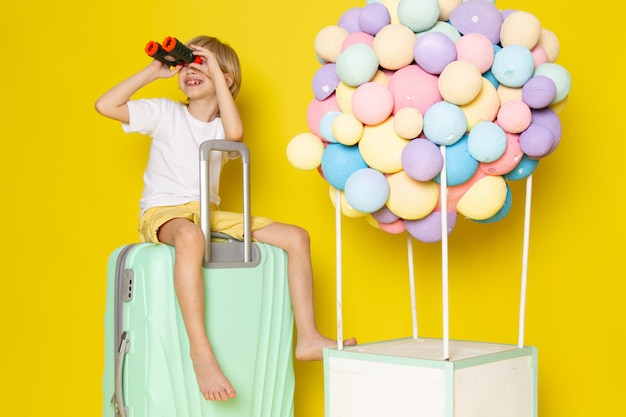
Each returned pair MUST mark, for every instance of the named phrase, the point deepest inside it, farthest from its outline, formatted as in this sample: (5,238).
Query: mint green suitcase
(148,372)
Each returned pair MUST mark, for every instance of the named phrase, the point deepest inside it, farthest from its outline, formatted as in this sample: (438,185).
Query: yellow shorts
(225,222)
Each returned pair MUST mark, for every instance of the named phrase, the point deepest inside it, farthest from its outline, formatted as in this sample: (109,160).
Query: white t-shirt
(172,176)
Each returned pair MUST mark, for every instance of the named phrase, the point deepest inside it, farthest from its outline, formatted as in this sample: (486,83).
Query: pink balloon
(477,49)
(317,109)
(394,228)
(539,55)
(372,103)
(456,192)
(357,37)
(411,86)
(514,116)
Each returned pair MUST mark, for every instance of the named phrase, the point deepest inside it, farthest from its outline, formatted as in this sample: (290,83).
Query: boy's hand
(162,70)
(209,65)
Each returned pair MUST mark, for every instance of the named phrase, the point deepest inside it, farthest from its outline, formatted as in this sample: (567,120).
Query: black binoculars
(172,52)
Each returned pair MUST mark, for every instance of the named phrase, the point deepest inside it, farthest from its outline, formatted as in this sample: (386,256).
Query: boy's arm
(229,113)
(114,103)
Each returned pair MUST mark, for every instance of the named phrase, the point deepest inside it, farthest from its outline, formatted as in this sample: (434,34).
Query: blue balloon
(489,77)
(513,65)
(487,142)
(525,167)
(460,166)
(326,124)
(444,123)
(367,190)
(339,162)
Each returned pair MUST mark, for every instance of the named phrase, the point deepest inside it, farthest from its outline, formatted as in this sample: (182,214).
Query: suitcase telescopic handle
(205,193)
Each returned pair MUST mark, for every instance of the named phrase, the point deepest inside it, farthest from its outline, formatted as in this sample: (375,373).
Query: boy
(170,199)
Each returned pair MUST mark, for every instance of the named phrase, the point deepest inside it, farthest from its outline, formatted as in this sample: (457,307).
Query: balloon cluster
(407,87)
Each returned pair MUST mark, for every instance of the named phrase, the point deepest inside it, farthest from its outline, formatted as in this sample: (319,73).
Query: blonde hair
(226,57)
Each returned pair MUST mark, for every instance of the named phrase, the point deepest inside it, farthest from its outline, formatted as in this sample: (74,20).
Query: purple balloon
(325,81)
(433,51)
(478,16)
(373,17)
(421,159)
(538,92)
(350,20)
(384,216)
(536,141)
(428,229)
(506,13)
(549,118)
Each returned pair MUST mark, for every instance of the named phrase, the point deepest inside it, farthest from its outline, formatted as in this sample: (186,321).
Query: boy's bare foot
(312,349)
(212,382)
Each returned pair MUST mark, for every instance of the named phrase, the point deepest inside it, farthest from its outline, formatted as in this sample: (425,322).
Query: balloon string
(522,304)
(409,242)
(444,255)
(338,270)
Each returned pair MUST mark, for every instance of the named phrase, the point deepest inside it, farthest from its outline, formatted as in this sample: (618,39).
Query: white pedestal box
(408,377)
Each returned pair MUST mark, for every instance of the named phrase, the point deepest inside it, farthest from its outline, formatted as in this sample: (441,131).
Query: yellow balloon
(305,150)
(483,199)
(411,199)
(381,147)
(344,94)
(346,209)
(483,108)
(347,129)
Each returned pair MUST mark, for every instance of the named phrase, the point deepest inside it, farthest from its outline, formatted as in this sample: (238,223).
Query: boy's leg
(188,241)
(295,241)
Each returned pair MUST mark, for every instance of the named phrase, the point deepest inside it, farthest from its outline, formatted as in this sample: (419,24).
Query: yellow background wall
(71,182)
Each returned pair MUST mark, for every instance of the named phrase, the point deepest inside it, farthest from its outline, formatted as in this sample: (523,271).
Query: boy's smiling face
(194,84)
